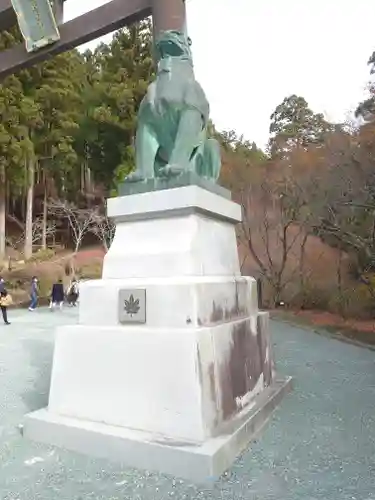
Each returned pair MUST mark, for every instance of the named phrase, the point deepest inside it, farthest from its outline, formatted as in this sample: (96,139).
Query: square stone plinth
(186,231)
(185,383)
(195,462)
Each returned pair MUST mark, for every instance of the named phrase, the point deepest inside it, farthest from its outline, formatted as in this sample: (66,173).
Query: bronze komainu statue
(171,136)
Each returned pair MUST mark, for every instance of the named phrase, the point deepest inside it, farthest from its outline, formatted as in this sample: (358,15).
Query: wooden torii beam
(85,28)
(7,15)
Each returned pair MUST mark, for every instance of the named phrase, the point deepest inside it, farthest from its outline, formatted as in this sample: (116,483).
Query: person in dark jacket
(73,293)
(57,295)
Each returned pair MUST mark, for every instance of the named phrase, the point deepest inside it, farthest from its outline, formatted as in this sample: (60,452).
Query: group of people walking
(58,294)
(57,298)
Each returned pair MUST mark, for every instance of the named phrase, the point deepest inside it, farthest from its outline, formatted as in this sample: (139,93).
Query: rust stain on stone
(265,345)
(228,403)
(220,314)
(217,313)
(240,374)
(199,367)
(211,377)
(211,380)
(236,307)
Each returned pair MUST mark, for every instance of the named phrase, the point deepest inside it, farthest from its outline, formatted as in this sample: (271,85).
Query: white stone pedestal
(170,367)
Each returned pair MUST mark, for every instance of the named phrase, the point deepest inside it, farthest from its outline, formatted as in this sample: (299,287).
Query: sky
(250,54)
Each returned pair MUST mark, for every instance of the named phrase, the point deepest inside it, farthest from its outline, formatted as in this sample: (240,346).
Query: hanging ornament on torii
(38,22)
(46,35)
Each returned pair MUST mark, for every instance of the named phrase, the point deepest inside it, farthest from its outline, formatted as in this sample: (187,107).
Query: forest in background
(66,142)
(308,204)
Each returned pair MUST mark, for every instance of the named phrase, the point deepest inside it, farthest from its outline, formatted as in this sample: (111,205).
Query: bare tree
(39,229)
(104,229)
(273,233)
(36,235)
(344,207)
(80,220)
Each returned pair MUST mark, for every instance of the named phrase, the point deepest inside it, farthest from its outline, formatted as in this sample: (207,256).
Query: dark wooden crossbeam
(7,15)
(96,23)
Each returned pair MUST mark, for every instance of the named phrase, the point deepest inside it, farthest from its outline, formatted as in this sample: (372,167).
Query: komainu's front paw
(171,171)
(134,177)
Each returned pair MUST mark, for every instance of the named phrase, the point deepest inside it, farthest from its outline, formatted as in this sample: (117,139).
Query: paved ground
(320,444)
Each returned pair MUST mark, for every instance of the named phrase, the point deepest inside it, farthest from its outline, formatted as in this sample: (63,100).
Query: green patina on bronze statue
(171,138)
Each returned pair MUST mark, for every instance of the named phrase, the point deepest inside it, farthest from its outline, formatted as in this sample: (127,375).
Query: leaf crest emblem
(131,306)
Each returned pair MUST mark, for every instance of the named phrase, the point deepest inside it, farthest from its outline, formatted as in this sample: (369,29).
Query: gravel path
(319,445)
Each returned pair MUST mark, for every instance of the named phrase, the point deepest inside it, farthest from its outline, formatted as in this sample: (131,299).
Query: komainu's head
(170,44)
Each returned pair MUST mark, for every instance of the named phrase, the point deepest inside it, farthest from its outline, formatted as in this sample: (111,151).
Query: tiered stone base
(193,461)
(170,367)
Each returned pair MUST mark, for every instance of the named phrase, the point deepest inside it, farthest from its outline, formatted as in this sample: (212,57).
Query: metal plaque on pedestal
(132,306)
